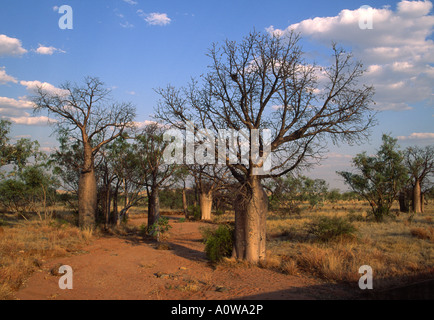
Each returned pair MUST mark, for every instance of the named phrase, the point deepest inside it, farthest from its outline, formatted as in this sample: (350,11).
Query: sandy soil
(132,268)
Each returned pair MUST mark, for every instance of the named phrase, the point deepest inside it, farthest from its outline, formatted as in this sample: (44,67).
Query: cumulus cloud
(155,18)
(397,52)
(10,46)
(418,136)
(132,2)
(21,103)
(15,108)
(33,86)
(47,50)
(5,78)
(32,121)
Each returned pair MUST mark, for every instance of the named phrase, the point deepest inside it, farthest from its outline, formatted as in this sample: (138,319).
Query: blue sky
(135,46)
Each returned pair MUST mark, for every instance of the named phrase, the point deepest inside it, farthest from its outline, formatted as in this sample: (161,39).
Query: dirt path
(130,268)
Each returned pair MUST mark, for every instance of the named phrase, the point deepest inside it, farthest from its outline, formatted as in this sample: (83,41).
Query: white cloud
(418,136)
(155,18)
(132,2)
(5,78)
(56,8)
(10,46)
(21,103)
(34,85)
(47,50)
(32,121)
(397,52)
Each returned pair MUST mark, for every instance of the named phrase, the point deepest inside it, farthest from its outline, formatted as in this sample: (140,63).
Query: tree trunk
(184,203)
(205,205)
(87,199)
(422,203)
(251,208)
(153,207)
(87,190)
(403,201)
(115,206)
(417,197)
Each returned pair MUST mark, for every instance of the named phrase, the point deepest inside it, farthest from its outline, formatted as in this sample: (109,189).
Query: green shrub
(195,213)
(325,228)
(159,228)
(218,243)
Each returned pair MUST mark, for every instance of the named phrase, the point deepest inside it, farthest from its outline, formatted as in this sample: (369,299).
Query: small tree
(379,178)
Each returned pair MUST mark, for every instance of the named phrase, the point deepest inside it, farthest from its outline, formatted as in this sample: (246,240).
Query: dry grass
(25,246)
(398,249)
(423,233)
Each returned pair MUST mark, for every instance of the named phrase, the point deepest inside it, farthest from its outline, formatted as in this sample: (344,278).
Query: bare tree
(264,83)
(420,165)
(90,117)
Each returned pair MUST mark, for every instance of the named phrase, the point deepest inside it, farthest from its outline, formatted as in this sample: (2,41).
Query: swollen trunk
(251,208)
(205,205)
(417,197)
(87,199)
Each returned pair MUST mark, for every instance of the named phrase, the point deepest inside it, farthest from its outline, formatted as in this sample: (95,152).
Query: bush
(218,243)
(195,211)
(159,229)
(326,228)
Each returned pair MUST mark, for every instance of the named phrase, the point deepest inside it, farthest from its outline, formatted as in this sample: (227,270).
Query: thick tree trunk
(251,208)
(153,207)
(184,203)
(417,197)
(87,199)
(87,190)
(205,205)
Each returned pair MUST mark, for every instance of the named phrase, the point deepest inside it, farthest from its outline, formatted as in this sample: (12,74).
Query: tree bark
(251,208)
(205,205)
(184,203)
(153,207)
(87,203)
(403,201)
(417,197)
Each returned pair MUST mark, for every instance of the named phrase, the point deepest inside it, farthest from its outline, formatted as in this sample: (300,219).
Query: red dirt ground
(127,268)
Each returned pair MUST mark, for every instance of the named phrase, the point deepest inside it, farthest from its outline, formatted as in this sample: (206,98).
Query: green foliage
(159,228)
(326,228)
(290,191)
(218,243)
(28,190)
(379,178)
(195,213)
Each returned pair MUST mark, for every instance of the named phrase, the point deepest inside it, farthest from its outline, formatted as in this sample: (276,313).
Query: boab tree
(90,117)
(420,164)
(261,83)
